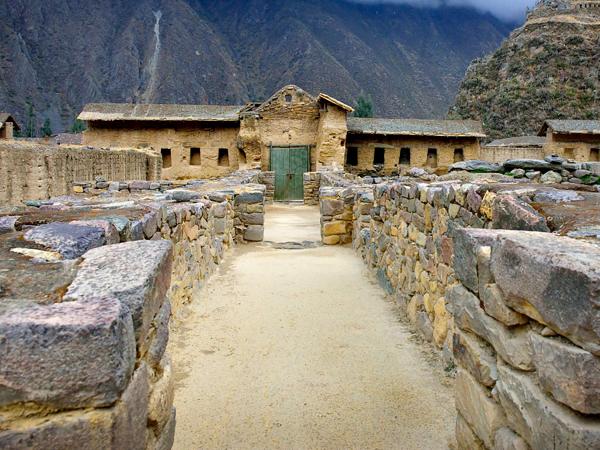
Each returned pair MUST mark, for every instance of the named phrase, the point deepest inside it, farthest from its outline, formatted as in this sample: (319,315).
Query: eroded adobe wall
(331,137)
(84,358)
(577,147)
(502,154)
(33,171)
(514,311)
(180,138)
(418,152)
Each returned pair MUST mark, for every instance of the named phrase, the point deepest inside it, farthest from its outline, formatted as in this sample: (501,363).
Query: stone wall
(526,341)
(312,184)
(336,205)
(512,310)
(84,360)
(33,171)
(268,179)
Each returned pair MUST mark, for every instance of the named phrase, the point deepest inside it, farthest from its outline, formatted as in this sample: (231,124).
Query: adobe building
(578,140)
(8,126)
(520,147)
(392,146)
(291,133)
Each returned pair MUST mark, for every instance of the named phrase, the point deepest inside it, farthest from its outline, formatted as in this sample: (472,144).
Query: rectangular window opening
(379,157)
(224,157)
(405,156)
(165,153)
(195,157)
(352,156)
(595,155)
(570,153)
(432,158)
(459,155)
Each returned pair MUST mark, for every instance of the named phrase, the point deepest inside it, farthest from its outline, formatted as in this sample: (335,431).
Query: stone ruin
(500,273)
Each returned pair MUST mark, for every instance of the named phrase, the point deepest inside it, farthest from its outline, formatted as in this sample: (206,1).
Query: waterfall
(153,66)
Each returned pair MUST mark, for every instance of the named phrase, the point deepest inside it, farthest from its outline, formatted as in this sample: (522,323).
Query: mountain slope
(547,69)
(61,54)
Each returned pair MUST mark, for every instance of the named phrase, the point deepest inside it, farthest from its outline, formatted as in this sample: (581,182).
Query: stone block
(423,324)
(71,241)
(131,413)
(484,415)
(569,373)
(336,227)
(493,304)
(220,225)
(466,439)
(139,185)
(66,355)
(161,335)
(249,197)
(511,344)
(466,246)
(182,195)
(150,224)
(332,207)
(111,234)
(167,437)
(67,431)
(554,280)
(7,224)
(541,422)
(137,273)
(331,240)
(476,356)
(507,439)
(253,218)
(161,397)
(254,233)
(510,213)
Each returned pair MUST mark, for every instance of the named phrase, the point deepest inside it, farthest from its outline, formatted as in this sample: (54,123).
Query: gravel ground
(299,349)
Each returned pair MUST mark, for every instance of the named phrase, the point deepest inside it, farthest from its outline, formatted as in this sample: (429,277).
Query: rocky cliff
(549,68)
(61,54)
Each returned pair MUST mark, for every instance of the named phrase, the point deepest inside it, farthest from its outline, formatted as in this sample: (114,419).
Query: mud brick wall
(85,365)
(526,341)
(34,171)
(312,184)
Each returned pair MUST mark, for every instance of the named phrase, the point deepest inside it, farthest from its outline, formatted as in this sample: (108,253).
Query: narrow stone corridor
(295,347)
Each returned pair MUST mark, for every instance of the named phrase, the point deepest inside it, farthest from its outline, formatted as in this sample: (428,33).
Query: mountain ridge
(61,54)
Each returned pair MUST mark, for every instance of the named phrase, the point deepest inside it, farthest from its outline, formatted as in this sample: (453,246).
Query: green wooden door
(289,165)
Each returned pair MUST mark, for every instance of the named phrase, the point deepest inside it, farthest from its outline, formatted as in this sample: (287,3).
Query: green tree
(31,121)
(78,126)
(46,130)
(364,107)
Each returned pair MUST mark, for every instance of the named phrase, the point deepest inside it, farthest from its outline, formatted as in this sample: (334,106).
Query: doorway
(289,165)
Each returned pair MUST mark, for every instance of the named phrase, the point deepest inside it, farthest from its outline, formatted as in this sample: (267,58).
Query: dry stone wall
(33,171)
(511,305)
(84,341)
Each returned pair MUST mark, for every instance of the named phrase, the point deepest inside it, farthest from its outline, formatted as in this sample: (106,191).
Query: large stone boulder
(554,280)
(476,166)
(511,213)
(529,164)
(69,240)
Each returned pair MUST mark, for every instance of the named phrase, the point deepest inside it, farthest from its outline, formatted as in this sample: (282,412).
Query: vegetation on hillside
(547,69)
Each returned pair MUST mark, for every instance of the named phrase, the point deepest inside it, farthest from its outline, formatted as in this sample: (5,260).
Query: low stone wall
(520,331)
(312,184)
(34,171)
(526,341)
(336,206)
(268,179)
(84,360)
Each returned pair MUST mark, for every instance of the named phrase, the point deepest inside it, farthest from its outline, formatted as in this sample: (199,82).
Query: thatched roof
(414,127)
(519,141)
(571,127)
(110,112)
(6,117)
(333,101)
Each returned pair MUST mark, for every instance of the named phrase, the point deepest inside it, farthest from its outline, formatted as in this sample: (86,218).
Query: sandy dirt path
(299,349)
